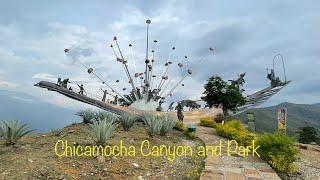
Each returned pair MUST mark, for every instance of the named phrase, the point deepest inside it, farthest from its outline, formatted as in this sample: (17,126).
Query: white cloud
(30,52)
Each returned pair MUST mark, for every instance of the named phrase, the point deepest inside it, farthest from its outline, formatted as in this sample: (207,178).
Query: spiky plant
(100,115)
(152,124)
(127,120)
(167,124)
(102,130)
(56,132)
(2,126)
(87,115)
(12,131)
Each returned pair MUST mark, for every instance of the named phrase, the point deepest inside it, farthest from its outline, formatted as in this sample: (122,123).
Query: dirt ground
(34,157)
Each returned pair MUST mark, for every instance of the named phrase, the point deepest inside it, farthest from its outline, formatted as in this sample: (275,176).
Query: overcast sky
(246,36)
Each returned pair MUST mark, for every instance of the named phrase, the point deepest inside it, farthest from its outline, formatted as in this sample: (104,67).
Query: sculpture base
(142,105)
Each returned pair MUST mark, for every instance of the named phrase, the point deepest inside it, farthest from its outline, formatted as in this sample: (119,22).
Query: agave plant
(12,131)
(2,126)
(100,115)
(167,124)
(152,124)
(56,132)
(127,120)
(87,115)
(102,130)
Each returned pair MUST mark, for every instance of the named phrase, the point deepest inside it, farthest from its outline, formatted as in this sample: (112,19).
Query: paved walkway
(230,167)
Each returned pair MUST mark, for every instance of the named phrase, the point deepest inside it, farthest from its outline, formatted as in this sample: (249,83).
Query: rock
(71,131)
(135,165)
(30,160)
(140,178)
(101,159)
(43,135)
(61,177)
(105,169)
(313,143)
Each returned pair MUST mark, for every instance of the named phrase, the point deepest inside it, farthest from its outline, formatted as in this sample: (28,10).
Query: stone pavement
(232,167)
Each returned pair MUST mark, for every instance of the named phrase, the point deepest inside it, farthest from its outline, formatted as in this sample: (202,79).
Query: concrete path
(229,167)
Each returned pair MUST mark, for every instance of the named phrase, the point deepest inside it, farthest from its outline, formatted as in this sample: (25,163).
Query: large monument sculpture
(148,95)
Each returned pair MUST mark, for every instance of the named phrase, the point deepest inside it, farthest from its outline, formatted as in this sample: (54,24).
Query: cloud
(246,37)
(8,85)
(44,76)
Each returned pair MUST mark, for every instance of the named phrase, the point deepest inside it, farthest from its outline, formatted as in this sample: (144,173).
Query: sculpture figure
(81,89)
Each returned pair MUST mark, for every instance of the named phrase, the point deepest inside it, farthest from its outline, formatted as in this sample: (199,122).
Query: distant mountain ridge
(38,114)
(299,115)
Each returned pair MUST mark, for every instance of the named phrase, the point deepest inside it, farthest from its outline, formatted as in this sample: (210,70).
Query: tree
(219,93)
(307,135)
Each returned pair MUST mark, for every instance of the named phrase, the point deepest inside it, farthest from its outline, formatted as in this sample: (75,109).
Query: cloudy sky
(245,34)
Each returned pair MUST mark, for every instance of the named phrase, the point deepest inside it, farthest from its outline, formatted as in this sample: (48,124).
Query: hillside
(299,115)
(37,159)
(38,114)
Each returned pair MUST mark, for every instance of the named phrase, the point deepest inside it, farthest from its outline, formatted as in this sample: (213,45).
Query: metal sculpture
(263,95)
(149,96)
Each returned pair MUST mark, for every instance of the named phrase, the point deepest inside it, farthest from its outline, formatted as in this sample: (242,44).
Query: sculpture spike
(126,68)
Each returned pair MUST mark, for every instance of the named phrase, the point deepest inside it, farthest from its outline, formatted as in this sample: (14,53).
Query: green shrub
(126,120)
(191,135)
(56,132)
(87,115)
(179,126)
(2,126)
(12,131)
(102,130)
(207,122)
(100,115)
(168,123)
(307,135)
(235,130)
(153,124)
(278,150)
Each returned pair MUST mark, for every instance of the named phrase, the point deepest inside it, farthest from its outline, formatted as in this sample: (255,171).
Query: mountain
(299,115)
(39,115)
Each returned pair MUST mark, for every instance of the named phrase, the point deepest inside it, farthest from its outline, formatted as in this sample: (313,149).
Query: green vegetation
(307,135)
(12,131)
(235,130)
(278,150)
(179,126)
(208,122)
(219,93)
(152,124)
(102,130)
(155,124)
(100,115)
(87,115)
(191,135)
(126,120)
(167,124)
(56,132)
(2,127)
